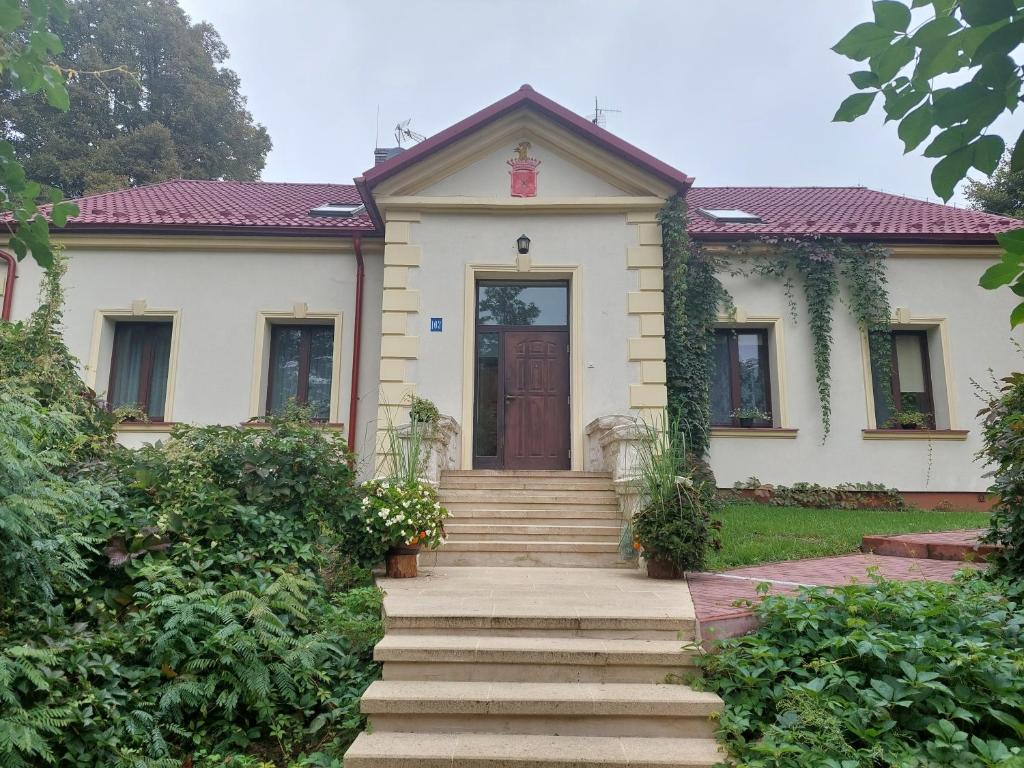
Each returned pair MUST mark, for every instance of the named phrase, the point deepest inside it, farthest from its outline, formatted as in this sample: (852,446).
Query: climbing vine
(694,297)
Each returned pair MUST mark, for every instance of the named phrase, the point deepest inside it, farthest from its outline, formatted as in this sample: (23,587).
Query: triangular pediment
(527,136)
(478,165)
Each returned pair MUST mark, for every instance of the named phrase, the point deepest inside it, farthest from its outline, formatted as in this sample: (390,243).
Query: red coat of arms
(524,171)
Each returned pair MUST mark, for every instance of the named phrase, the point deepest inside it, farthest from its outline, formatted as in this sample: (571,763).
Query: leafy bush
(200,597)
(891,674)
(673,522)
(1004,449)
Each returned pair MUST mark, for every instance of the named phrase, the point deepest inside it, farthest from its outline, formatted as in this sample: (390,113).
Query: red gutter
(12,272)
(357,337)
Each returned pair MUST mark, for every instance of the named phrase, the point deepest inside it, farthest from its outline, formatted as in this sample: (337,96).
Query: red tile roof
(184,204)
(275,208)
(840,211)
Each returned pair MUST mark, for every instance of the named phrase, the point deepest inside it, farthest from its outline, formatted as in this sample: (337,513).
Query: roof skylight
(730,216)
(338,210)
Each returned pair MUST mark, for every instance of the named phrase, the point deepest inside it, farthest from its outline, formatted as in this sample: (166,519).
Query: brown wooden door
(536,399)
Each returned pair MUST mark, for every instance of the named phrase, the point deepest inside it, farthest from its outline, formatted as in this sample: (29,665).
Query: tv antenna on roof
(600,114)
(403,131)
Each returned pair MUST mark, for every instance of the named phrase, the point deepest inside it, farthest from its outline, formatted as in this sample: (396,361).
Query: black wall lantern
(523,244)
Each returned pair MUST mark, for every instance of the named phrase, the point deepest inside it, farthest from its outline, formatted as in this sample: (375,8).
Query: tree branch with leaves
(946,67)
(26,49)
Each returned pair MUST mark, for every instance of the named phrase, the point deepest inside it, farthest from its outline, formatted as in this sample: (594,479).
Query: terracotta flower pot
(400,561)
(663,569)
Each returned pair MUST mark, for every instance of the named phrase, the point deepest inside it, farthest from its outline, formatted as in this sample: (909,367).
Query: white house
(216,302)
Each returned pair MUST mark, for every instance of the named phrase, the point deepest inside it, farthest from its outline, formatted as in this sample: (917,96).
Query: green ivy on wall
(694,298)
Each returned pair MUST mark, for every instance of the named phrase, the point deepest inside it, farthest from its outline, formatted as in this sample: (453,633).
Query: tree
(947,65)
(26,48)
(1002,194)
(160,104)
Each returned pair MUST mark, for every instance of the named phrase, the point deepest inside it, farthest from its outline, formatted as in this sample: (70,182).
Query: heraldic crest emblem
(524,171)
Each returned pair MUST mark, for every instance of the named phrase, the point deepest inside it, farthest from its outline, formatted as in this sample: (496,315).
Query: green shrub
(1004,449)
(891,674)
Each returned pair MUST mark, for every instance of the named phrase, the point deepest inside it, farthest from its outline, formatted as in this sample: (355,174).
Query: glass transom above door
(503,303)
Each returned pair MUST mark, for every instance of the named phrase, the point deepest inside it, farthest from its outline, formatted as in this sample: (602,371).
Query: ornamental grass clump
(673,525)
(408,514)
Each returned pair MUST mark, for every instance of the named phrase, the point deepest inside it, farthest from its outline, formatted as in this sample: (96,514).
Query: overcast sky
(733,92)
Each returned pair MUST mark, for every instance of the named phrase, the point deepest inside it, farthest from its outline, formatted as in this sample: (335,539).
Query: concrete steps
(485,750)
(541,709)
(523,659)
(527,531)
(548,519)
(563,666)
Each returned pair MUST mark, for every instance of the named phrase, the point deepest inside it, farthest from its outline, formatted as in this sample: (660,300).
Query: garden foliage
(907,674)
(1003,418)
(200,598)
(812,495)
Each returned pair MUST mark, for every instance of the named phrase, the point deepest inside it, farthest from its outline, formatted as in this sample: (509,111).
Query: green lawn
(757,533)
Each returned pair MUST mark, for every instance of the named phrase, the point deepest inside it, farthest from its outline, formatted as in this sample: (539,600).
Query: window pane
(129,344)
(881,390)
(721,381)
(753,377)
(142,352)
(485,425)
(522,304)
(160,338)
(321,348)
(286,343)
(910,362)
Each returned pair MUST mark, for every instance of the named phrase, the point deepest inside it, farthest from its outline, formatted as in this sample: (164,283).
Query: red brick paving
(714,594)
(947,545)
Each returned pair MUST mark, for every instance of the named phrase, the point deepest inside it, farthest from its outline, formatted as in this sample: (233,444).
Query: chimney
(382,154)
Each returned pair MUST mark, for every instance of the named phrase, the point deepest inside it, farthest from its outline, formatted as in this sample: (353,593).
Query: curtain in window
(321,347)
(721,382)
(285,347)
(160,338)
(129,345)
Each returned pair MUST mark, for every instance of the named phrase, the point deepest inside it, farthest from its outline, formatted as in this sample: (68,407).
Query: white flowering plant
(406,514)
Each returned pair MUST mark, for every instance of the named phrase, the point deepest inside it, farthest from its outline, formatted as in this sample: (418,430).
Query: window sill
(784,433)
(914,434)
(145,426)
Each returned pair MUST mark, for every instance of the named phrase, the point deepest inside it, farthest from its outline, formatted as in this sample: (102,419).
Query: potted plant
(405,516)
(908,419)
(423,411)
(747,416)
(672,527)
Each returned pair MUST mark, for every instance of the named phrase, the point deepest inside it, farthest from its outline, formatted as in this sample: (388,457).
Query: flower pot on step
(400,562)
(663,569)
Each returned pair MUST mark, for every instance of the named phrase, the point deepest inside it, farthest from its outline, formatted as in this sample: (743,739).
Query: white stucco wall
(217,294)
(979,340)
(595,243)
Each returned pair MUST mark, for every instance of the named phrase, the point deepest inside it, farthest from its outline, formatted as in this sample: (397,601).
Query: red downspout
(12,272)
(357,331)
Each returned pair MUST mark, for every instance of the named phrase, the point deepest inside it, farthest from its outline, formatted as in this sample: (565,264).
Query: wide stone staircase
(517,667)
(561,519)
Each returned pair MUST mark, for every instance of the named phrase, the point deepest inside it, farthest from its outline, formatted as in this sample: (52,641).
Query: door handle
(510,398)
